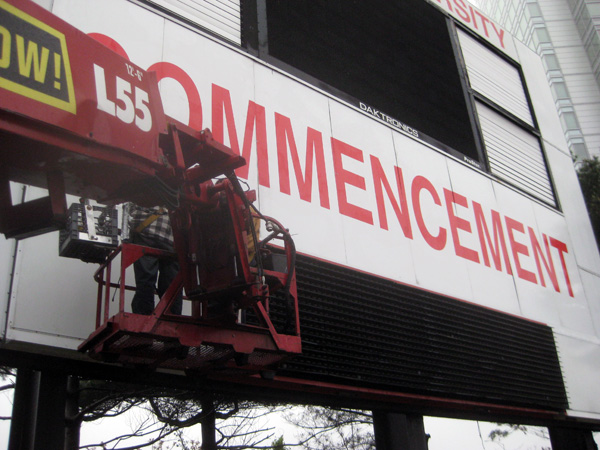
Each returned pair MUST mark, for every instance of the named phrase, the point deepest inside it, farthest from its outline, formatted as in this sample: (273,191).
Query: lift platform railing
(195,341)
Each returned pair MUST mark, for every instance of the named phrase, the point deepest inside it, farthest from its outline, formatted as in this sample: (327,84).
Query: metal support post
(24,411)
(571,439)
(50,421)
(208,425)
(73,424)
(395,431)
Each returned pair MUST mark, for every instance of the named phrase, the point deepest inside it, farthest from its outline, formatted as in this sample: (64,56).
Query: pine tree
(588,173)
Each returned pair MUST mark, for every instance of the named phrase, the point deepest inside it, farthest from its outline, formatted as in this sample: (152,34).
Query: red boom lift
(82,120)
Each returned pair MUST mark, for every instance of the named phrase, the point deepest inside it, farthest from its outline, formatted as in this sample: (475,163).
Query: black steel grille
(358,329)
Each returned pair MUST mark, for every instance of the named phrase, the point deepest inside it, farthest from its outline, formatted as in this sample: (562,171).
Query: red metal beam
(394,400)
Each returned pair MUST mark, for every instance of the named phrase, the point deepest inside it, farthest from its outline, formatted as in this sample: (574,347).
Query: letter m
(314,154)
(255,119)
(498,245)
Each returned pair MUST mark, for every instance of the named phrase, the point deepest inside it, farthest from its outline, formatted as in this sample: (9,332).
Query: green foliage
(588,172)
(279,444)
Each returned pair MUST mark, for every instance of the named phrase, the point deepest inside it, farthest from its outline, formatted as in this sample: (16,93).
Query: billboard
(355,190)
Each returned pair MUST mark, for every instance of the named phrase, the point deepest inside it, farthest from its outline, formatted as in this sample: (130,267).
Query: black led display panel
(394,56)
(361,330)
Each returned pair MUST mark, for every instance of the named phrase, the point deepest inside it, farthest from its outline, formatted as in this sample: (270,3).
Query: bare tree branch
(335,429)
(171,419)
(144,429)
(7,387)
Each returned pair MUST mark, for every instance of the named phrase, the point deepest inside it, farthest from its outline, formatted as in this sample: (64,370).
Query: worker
(151,227)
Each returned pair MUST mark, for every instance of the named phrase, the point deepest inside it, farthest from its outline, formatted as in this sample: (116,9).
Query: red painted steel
(80,119)
(435,405)
(196,343)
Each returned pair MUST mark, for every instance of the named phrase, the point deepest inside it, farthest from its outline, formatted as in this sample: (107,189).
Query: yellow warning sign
(34,61)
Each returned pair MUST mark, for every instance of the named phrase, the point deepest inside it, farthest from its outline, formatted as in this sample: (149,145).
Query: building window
(533,10)
(550,62)
(541,36)
(574,4)
(593,47)
(494,77)
(508,129)
(559,90)
(569,120)
(594,9)
(221,17)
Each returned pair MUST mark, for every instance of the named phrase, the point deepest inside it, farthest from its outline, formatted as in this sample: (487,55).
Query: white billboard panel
(493,271)
(580,363)
(351,189)
(293,176)
(6,257)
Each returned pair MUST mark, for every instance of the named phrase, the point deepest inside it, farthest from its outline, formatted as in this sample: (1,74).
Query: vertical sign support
(24,410)
(208,424)
(395,431)
(50,421)
(38,421)
(563,438)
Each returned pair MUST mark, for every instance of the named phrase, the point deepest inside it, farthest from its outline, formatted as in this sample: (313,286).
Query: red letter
(402,213)
(484,21)
(221,104)
(562,249)
(314,147)
(548,263)
(419,183)
(484,235)
(518,249)
(168,70)
(343,177)
(499,33)
(462,8)
(458,223)
(474,18)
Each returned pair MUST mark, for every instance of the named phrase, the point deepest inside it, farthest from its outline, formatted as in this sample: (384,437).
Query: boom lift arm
(99,132)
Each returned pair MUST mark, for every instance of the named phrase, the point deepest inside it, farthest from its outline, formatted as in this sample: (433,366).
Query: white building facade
(565,33)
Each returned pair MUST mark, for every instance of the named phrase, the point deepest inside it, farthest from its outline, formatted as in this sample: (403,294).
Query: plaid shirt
(158,231)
